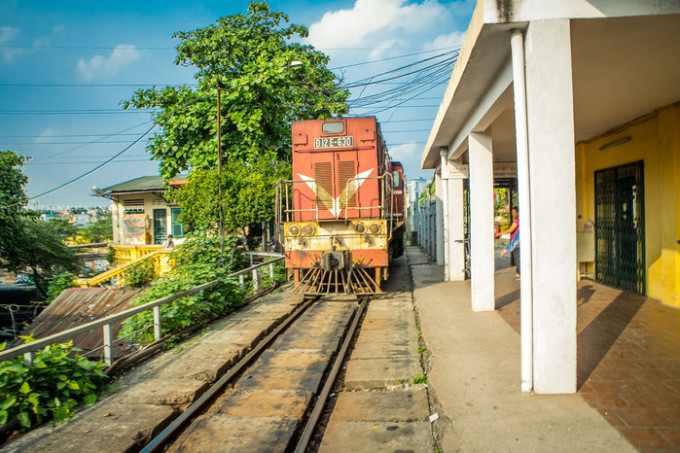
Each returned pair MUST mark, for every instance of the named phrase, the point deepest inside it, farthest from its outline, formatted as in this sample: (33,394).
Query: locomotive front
(341,216)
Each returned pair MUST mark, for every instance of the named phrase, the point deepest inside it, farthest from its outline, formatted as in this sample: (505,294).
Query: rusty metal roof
(77,306)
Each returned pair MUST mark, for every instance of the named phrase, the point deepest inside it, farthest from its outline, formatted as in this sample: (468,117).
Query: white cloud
(103,67)
(371,18)
(405,151)
(454,39)
(7,35)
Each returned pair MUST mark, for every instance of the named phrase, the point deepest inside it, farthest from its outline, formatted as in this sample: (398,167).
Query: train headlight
(360,227)
(294,230)
(308,230)
(374,228)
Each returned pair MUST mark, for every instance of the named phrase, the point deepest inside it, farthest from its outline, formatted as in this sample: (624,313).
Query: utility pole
(219,169)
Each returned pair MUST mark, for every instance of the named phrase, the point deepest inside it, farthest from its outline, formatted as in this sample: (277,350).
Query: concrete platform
(474,379)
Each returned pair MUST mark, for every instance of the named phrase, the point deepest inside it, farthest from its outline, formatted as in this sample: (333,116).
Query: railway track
(272,399)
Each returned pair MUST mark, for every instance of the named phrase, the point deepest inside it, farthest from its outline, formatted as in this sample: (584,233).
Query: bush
(195,264)
(59,283)
(140,274)
(50,388)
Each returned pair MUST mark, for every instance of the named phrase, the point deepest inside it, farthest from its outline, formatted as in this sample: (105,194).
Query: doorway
(160,226)
(619,227)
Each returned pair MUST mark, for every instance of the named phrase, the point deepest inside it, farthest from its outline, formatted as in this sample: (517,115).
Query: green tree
(39,251)
(12,201)
(26,244)
(248,191)
(63,227)
(101,230)
(267,81)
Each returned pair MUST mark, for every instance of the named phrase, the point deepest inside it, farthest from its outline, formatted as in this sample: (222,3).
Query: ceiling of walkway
(623,68)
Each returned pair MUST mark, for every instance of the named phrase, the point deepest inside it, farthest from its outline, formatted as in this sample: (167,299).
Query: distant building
(140,213)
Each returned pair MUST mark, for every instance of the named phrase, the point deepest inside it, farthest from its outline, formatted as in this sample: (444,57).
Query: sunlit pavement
(628,358)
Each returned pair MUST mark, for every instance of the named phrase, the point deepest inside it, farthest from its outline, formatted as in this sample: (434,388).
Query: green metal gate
(620,227)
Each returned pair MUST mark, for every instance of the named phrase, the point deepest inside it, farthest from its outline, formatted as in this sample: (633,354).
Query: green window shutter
(177,228)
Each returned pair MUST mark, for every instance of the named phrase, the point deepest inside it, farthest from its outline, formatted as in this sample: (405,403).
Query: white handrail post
(241,281)
(256,281)
(271,274)
(28,358)
(157,322)
(108,344)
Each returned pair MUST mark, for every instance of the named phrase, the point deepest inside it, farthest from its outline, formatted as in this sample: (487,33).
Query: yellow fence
(127,256)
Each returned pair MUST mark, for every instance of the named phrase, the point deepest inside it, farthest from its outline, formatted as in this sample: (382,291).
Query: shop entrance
(619,227)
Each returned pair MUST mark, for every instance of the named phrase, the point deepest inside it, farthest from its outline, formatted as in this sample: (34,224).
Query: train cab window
(333,127)
(395,178)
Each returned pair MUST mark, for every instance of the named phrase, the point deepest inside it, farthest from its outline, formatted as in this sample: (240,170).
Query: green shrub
(140,274)
(195,264)
(59,283)
(50,388)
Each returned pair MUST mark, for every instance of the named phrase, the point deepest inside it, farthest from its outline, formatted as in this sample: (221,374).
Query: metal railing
(28,349)
(285,191)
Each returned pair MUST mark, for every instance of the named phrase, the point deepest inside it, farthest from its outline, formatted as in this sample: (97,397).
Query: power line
(89,172)
(75,112)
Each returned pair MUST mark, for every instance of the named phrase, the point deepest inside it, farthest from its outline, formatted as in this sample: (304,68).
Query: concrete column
(550,119)
(456,255)
(439,226)
(481,222)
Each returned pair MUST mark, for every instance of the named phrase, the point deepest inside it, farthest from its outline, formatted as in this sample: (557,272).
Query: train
(341,218)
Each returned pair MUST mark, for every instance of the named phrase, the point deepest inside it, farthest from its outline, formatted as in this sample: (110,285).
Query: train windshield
(333,127)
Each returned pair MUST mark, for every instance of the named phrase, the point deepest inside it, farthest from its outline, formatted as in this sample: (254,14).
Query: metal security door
(619,227)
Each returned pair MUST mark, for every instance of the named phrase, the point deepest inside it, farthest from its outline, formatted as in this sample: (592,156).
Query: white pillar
(439,228)
(522,144)
(456,228)
(481,222)
(550,119)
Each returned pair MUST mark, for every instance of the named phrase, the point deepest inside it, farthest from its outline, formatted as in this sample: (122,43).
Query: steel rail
(173,429)
(313,419)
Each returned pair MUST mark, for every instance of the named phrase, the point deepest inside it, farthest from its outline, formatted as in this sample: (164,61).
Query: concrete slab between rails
(369,406)
(218,433)
(204,363)
(353,437)
(474,377)
(110,427)
(305,378)
(262,403)
(366,374)
(170,392)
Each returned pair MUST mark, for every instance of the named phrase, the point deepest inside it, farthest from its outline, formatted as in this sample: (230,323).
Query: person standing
(513,245)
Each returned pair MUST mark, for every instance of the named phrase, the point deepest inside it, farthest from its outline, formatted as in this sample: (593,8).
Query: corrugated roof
(144,184)
(77,306)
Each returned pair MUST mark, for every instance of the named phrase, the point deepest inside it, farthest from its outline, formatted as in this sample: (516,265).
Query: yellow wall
(655,139)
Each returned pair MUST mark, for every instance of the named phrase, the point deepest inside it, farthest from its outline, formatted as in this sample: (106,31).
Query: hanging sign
(455,170)
(504,170)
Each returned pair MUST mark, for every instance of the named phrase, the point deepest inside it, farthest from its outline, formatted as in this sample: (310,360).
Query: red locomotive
(341,217)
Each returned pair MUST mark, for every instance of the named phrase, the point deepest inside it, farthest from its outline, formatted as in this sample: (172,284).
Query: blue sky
(65,66)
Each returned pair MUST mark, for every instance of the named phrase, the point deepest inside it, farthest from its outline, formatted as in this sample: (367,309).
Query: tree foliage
(13,201)
(27,245)
(101,230)
(248,191)
(267,81)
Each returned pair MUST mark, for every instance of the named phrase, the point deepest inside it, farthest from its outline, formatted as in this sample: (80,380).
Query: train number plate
(333,142)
